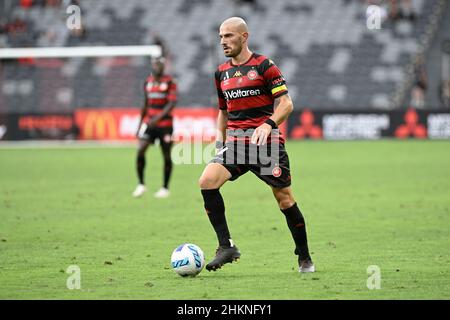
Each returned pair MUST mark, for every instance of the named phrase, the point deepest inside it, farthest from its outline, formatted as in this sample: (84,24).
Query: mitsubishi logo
(411,127)
(307,128)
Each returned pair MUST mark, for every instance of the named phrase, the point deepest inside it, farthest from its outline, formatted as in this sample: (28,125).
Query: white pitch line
(52,144)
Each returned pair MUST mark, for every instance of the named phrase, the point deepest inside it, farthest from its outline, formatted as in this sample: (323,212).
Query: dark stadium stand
(330,58)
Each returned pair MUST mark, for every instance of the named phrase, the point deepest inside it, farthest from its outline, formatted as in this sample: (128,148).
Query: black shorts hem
(279,179)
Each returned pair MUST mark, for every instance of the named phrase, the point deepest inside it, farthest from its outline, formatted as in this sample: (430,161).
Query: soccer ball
(188,260)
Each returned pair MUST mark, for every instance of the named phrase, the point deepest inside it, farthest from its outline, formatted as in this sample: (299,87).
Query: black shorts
(151,134)
(269,163)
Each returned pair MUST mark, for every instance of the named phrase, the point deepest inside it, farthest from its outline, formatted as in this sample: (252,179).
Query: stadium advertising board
(438,125)
(368,125)
(194,124)
(198,124)
(99,124)
(121,124)
(38,126)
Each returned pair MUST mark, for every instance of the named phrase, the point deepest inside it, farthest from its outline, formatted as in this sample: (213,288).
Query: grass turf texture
(383,203)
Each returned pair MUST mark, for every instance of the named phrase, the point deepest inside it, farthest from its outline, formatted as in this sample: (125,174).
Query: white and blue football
(188,260)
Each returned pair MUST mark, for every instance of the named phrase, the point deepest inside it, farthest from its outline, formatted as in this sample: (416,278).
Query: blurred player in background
(249,87)
(156,122)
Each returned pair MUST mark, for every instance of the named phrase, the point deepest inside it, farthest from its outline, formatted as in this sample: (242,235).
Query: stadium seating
(326,52)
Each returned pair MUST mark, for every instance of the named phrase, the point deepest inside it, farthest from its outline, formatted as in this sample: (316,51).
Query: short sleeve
(220,96)
(275,81)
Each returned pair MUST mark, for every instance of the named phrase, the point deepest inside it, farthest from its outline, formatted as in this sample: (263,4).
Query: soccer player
(252,94)
(160,99)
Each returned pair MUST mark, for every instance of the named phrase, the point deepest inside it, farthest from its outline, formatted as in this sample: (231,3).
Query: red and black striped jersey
(158,93)
(247,91)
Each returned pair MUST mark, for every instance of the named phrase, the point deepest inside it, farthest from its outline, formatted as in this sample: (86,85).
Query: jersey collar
(234,65)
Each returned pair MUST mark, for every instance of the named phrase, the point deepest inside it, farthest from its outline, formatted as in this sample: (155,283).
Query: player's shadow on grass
(285,274)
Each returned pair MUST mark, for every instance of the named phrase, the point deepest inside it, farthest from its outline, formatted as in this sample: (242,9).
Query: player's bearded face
(231,44)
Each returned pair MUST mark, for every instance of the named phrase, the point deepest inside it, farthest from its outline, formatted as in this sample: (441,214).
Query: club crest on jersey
(276,172)
(163,86)
(252,74)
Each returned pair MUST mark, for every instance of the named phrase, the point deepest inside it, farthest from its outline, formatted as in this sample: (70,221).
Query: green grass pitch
(384,203)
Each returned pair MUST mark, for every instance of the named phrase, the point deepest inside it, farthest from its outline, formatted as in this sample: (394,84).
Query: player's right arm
(222,118)
(143,111)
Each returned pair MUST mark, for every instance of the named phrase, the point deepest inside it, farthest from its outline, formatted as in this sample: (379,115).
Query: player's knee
(141,151)
(285,203)
(207,182)
(284,199)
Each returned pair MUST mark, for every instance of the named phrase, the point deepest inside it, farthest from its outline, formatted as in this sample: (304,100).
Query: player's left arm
(283,108)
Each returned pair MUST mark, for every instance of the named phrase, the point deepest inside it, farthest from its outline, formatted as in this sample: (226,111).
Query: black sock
(166,148)
(140,168)
(296,224)
(167,172)
(215,209)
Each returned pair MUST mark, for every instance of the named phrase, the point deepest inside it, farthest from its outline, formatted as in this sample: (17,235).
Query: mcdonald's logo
(100,125)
